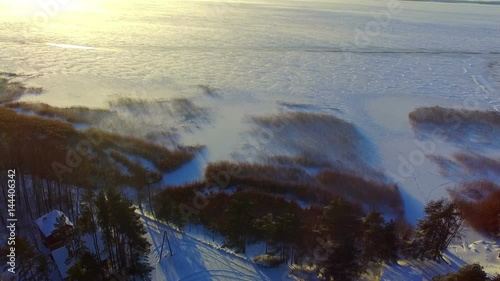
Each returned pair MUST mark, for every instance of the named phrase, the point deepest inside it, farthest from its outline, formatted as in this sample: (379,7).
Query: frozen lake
(320,52)
(368,62)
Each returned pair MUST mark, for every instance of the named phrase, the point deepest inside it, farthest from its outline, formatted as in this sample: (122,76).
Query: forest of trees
(87,194)
(341,238)
(110,220)
(248,209)
(112,215)
(337,223)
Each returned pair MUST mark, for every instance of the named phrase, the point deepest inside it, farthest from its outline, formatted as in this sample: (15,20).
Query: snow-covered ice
(262,57)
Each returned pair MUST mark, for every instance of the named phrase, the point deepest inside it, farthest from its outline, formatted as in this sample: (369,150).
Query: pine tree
(287,232)
(391,242)
(341,220)
(87,222)
(266,226)
(87,267)
(131,233)
(442,223)
(123,234)
(239,219)
(167,209)
(344,263)
(104,222)
(380,241)
(341,226)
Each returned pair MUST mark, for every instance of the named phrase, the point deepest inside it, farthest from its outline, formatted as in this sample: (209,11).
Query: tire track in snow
(217,257)
(201,275)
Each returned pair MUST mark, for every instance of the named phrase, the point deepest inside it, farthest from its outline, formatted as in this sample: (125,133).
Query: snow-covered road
(196,259)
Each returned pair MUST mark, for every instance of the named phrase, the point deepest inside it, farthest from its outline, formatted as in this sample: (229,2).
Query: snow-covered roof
(60,255)
(46,223)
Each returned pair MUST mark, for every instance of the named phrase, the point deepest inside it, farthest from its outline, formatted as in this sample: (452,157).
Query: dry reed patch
(311,139)
(78,114)
(10,90)
(471,128)
(479,203)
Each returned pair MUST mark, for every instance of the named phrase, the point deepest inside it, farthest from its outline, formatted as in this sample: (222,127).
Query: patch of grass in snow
(8,74)
(468,165)
(166,160)
(312,140)
(313,189)
(299,160)
(479,202)
(108,120)
(261,171)
(275,180)
(182,108)
(477,162)
(208,90)
(467,127)
(449,116)
(77,114)
(10,90)
(376,196)
(42,147)
(139,174)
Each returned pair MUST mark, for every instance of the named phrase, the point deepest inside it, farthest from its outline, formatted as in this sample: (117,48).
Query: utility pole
(149,181)
(162,242)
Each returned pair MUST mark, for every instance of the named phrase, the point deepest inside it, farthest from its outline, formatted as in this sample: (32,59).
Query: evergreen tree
(167,209)
(380,241)
(239,219)
(87,223)
(341,226)
(341,220)
(442,223)
(391,242)
(104,223)
(123,234)
(87,267)
(266,226)
(132,231)
(344,263)
(287,232)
